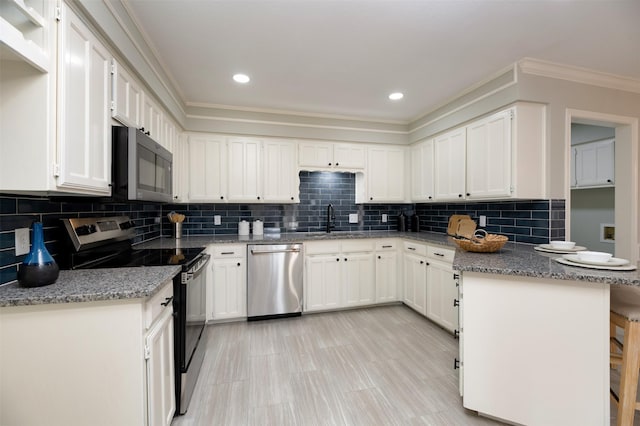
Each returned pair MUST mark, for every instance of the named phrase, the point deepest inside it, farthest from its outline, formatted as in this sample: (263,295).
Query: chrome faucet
(331,218)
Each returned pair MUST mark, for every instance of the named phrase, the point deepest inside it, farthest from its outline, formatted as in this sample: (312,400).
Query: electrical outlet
(353,217)
(483,221)
(384,218)
(22,241)
(157,220)
(217,219)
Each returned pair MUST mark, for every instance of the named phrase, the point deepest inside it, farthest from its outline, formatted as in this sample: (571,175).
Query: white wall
(589,209)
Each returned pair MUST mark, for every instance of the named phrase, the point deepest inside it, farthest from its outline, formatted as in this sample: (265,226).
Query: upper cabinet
(126,105)
(241,170)
(593,164)
(331,156)
(384,177)
(500,156)
(25,30)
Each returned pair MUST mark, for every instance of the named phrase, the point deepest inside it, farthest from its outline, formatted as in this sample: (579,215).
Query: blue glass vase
(38,268)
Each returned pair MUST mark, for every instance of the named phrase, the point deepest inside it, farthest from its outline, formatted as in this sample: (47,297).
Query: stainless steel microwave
(141,167)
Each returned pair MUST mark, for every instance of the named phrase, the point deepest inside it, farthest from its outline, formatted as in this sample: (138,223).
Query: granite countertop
(91,285)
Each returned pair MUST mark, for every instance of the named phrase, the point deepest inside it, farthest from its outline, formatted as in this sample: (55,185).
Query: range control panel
(95,231)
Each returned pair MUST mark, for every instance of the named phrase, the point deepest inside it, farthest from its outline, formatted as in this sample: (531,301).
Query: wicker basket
(487,243)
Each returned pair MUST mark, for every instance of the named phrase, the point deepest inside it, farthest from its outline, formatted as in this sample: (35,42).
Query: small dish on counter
(624,267)
(548,248)
(612,261)
(595,257)
(562,245)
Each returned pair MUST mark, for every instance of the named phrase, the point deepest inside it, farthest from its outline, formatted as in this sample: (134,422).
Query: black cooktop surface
(132,258)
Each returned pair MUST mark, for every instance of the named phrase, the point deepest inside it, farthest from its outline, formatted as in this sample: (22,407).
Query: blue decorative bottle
(38,268)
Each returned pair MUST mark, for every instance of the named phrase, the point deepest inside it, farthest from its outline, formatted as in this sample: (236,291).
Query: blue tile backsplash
(525,221)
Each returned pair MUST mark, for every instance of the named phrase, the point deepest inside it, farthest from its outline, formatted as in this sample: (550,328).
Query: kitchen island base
(535,351)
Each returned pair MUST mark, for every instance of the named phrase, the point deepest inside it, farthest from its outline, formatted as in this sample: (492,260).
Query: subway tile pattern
(21,211)
(523,221)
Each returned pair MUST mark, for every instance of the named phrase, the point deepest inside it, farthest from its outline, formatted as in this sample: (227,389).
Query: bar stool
(625,313)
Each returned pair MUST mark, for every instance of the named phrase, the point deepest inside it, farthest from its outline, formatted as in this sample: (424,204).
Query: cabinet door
(322,282)
(348,156)
(161,403)
(358,278)
(385,182)
(422,171)
(489,157)
(450,166)
(281,182)
(441,293)
(244,172)
(229,288)
(315,155)
(127,97)
(415,279)
(152,119)
(387,277)
(207,169)
(84,130)
(594,163)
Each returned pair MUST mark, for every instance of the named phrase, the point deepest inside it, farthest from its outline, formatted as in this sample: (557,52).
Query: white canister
(258,228)
(243,228)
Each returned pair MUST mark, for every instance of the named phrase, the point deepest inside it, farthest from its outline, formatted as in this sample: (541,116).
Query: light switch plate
(483,221)
(22,241)
(217,220)
(384,218)
(353,217)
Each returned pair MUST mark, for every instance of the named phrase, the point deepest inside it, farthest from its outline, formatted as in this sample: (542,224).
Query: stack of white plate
(596,260)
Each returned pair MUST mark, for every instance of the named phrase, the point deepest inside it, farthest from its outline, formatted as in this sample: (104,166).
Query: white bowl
(594,256)
(564,245)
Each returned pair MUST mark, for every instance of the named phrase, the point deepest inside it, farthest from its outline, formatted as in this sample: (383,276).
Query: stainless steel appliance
(105,242)
(141,167)
(274,280)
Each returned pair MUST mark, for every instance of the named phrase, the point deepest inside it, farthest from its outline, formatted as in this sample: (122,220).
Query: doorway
(625,195)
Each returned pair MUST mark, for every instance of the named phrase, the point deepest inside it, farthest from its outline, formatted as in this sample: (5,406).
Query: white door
(489,157)
(207,169)
(161,403)
(244,170)
(229,288)
(127,97)
(385,167)
(281,182)
(84,127)
(348,156)
(358,278)
(386,277)
(315,155)
(323,282)
(422,171)
(441,293)
(450,166)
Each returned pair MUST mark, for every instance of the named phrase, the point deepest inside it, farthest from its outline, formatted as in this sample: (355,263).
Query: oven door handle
(193,273)
(275,251)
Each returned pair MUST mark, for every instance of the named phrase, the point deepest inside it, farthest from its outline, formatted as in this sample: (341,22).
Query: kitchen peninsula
(534,333)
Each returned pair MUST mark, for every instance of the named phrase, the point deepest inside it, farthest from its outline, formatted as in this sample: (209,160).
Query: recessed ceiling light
(396,96)
(241,78)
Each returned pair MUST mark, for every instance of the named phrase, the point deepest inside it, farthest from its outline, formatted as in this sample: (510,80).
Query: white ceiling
(343,57)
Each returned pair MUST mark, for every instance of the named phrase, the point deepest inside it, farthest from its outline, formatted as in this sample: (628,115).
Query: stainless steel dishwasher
(274,280)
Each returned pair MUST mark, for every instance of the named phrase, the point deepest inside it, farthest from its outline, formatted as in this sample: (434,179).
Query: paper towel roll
(258,228)
(243,228)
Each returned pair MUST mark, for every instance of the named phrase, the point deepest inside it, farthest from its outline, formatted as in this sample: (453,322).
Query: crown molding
(578,75)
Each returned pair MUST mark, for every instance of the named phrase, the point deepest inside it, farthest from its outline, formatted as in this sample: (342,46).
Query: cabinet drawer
(153,307)
(223,251)
(416,248)
(322,247)
(386,245)
(357,246)
(440,253)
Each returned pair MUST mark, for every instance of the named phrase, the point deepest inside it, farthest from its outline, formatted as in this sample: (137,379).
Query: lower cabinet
(388,277)
(415,276)
(227,282)
(442,289)
(339,274)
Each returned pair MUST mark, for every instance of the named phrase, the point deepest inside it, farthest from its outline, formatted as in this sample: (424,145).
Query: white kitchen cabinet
(24,32)
(126,102)
(84,92)
(442,288)
(151,119)
(161,401)
(280,181)
(388,281)
(488,157)
(112,359)
(244,182)
(422,171)
(227,282)
(339,274)
(322,289)
(180,169)
(207,165)
(593,164)
(385,175)
(450,165)
(415,276)
(330,156)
